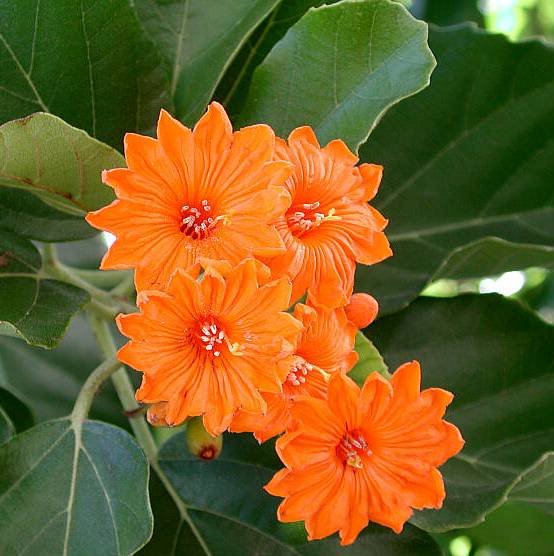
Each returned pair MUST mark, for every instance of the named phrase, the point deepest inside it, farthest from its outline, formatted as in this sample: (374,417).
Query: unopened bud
(156,414)
(362,310)
(200,442)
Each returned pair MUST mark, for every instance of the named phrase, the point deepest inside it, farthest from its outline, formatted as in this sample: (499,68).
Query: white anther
(217,353)
(209,347)
(311,206)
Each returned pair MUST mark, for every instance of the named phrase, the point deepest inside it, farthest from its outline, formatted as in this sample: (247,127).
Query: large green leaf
(60,164)
(514,530)
(198,39)
(233,88)
(73,488)
(339,69)
(498,359)
(490,256)
(15,416)
(234,516)
(537,485)
(24,213)
(470,157)
(89,62)
(51,379)
(38,308)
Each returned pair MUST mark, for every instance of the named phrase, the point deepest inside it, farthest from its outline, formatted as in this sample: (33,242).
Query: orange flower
(328,225)
(368,455)
(190,194)
(362,309)
(325,346)
(206,347)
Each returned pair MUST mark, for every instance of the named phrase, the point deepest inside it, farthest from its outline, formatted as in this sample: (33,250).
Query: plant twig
(126,394)
(91,386)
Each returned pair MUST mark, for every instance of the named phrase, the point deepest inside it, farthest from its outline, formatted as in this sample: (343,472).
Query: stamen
(197,223)
(212,337)
(298,373)
(353,449)
(302,221)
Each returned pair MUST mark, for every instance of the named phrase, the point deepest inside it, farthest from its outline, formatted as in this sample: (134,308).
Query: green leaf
(15,416)
(7,428)
(498,359)
(198,40)
(515,530)
(233,515)
(88,62)
(60,164)
(474,159)
(18,411)
(39,309)
(370,360)
(444,13)
(233,88)
(339,69)
(490,256)
(25,214)
(537,485)
(51,379)
(74,489)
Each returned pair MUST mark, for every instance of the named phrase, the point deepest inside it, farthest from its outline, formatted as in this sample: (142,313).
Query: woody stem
(123,386)
(54,268)
(91,386)
(126,394)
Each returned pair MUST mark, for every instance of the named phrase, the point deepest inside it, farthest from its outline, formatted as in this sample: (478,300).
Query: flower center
(307,216)
(212,337)
(298,373)
(197,222)
(353,448)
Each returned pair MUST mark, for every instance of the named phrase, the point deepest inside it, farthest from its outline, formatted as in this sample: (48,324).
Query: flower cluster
(244,248)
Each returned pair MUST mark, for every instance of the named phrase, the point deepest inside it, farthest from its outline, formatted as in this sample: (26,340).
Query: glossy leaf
(233,88)
(24,213)
(498,360)
(339,69)
(75,490)
(475,156)
(234,516)
(60,164)
(39,309)
(88,62)
(198,40)
(370,360)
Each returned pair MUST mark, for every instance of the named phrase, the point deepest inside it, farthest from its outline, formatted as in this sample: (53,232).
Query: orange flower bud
(362,309)
(200,442)
(156,414)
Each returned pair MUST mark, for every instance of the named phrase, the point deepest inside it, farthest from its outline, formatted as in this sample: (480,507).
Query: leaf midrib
(453,143)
